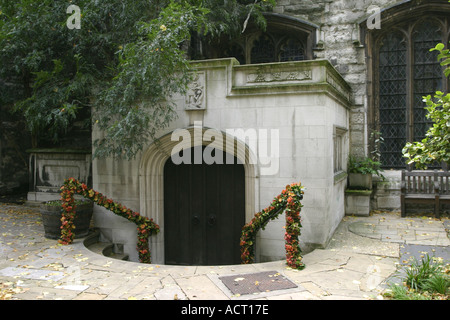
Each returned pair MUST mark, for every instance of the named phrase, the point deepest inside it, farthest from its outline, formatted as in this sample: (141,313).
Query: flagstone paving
(362,255)
(390,228)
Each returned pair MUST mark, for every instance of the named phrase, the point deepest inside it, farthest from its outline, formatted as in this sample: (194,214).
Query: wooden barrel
(52,214)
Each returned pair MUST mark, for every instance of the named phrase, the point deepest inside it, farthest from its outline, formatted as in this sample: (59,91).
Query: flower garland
(145,226)
(289,201)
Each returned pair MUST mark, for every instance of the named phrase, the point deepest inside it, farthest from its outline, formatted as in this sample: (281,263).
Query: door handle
(212,220)
(195,220)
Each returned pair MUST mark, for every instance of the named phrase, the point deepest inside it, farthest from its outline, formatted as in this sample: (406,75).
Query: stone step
(107,249)
(114,251)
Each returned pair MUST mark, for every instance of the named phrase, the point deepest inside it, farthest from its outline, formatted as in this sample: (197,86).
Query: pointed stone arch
(151,178)
(258,46)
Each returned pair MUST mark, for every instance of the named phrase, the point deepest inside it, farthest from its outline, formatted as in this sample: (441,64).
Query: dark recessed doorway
(204,211)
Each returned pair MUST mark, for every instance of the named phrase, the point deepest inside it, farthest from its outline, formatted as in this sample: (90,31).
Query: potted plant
(360,171)
(51,212)
(359,190)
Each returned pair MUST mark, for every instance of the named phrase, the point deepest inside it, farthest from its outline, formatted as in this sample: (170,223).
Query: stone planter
(359,181)
(52,214)
(357,202)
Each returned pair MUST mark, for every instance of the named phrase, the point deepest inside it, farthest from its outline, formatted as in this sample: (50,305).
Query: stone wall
(339,43)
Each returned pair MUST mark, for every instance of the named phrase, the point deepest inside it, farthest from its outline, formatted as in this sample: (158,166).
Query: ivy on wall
(290,201)
(71,186)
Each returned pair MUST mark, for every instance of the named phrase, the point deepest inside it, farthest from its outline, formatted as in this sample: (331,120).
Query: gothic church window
(263,50)
(405,71)
(392,98)
(291,50)
(266,49)
(236,51)
(285,39)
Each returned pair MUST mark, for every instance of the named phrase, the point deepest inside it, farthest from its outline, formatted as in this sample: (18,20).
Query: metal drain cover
(257,282)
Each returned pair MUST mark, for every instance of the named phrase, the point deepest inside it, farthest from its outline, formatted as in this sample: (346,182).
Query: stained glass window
(407,71)
(291,50)
(237,52)
(392,95)
(263,50)
(427,73)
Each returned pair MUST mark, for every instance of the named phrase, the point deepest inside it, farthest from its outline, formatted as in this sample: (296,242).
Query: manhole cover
(257,282)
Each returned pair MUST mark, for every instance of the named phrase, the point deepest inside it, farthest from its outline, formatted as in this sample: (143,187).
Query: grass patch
(428,279)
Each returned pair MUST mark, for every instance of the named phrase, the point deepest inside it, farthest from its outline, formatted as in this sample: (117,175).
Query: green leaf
(438,47)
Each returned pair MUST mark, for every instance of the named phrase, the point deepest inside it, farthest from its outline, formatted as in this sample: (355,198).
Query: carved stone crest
(195,96)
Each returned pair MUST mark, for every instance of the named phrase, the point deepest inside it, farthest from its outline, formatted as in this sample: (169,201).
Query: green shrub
(364,165)
(425,280)
(437,283)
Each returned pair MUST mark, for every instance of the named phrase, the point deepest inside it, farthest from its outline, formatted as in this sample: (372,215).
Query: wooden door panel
(204,211)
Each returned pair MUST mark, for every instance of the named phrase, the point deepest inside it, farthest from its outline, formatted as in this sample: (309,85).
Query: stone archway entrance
(151,178)
(204,211)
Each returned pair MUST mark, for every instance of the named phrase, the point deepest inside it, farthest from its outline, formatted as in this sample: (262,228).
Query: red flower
(289,201)
(72,186)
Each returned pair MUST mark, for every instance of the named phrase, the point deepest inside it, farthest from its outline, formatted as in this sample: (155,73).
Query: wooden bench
(425,186)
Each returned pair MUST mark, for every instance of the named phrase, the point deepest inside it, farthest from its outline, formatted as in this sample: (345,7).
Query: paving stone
(201,287)
(42,293)
(303,295)
(251,283)
(385,231)
(144,286)
(36,274)
(414,251)
(352,266)
(90,296)
(170,293)
(314,289)
(74,287)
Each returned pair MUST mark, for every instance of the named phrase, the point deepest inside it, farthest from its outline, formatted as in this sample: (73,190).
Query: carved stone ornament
(195,97)
(282,76)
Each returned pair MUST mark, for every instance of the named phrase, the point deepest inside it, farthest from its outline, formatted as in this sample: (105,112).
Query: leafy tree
(124,64)
(49,71)
(436,145)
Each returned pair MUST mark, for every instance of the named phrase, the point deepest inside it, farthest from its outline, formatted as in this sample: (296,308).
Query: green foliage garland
(289,201)
(145,226)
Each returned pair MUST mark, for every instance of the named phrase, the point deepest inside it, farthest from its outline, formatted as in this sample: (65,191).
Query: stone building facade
(319,81)
(350,36)
(324,75)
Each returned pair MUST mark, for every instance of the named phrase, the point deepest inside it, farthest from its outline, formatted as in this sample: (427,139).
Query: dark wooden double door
(204,212)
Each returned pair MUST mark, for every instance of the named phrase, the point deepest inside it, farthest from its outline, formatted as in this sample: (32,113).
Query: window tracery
(404,71)
(285,39)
